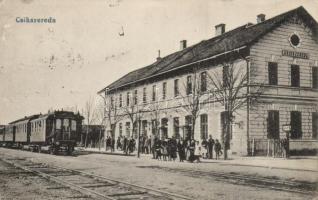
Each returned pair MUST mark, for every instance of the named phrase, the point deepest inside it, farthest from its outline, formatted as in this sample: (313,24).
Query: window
(176,131)
(164,90)
(294,40)
(188,127)
(120,100)
(112,128)
(273,124)
(315,77)
(272,73)
(204,126)
(154,126)
(154,93)
(127,129)
(203,82)
(120,127)
(57,126)
(144,125)
(315,125)
(176,87)
(294,73)
(73,125)
(225,76)
(164,127)
(189,85)
(136,97)
(65,124)
(128,99)
(144,95)
(295,123)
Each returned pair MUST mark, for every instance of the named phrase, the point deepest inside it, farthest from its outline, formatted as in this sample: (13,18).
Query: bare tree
(111,113)
(191,101)
(231,88)
(89,113)
(156,109)
(134,113)
(100,119)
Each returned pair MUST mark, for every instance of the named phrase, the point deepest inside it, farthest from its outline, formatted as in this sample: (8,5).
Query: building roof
(237,38)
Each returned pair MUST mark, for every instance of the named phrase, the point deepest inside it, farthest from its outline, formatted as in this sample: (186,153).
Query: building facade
(277,61)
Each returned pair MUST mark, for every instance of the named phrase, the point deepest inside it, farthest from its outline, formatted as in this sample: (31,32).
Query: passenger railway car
(2,128)
(9,135)
(52,132)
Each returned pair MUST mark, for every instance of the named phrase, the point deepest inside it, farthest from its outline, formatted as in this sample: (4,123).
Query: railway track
(301,187)
(97,187)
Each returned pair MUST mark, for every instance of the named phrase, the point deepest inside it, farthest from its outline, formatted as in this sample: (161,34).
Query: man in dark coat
(173,150)
(217,149)
(108,143)
(181,150)
(125,145)
(112,145)
(118,143)
(210,144)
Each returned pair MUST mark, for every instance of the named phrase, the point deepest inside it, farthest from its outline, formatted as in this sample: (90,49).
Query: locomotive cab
(65,131)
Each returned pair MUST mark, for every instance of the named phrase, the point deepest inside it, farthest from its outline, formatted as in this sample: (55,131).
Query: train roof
(25,118)
(61,114)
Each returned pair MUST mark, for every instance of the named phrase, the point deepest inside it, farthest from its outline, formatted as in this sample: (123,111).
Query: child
(197,152)
(164,151)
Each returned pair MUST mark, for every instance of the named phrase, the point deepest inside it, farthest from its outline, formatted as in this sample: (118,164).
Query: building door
(273,124)
(164,127)
(112,127)
(315,125)
(188,127)
(295,123)
(144,127)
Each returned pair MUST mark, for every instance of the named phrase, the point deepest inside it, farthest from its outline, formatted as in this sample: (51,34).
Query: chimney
(158,58)
(183,44)
(219,29)
(260,18)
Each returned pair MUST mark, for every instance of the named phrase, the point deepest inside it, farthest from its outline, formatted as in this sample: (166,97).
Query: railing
(266,147)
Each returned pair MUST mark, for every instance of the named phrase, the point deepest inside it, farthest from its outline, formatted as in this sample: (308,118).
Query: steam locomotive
(52,132)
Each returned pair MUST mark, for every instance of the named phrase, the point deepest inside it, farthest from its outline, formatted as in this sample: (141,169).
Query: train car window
(73,125)
(58,124)
(66,123)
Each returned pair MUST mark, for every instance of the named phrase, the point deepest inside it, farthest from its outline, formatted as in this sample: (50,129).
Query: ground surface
(206,180)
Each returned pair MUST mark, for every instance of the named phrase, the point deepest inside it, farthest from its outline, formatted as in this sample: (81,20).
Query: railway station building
(278,61)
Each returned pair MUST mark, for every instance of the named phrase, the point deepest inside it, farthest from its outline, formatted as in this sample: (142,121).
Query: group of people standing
(189,150)
(127,145)
(169,148)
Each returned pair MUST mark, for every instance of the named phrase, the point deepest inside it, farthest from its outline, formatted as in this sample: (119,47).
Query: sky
(61,65)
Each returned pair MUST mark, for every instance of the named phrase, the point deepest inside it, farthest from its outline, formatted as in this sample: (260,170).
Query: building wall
(250,123)
(172,107)
(283,97)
